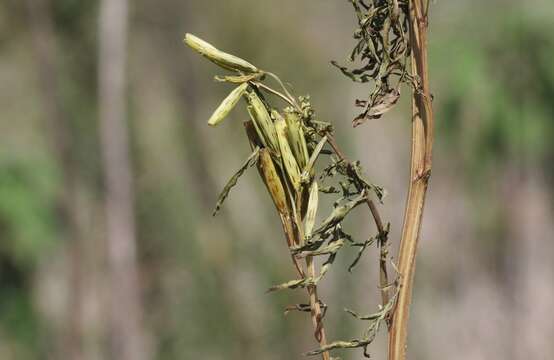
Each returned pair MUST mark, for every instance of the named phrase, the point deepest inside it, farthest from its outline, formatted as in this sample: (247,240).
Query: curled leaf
(252,160)
(380,106)
(330,249)
(363,246)
(339,213)
(293,284)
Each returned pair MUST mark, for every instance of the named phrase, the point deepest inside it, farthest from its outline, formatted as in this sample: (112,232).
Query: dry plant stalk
(286,143)
(420,171)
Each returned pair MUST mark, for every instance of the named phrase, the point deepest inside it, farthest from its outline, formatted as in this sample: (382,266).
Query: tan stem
(315,310)
(420,169)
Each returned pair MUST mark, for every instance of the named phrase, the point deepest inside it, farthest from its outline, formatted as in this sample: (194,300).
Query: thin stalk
(382,232)
(315,307)
(315,310)
(420,170)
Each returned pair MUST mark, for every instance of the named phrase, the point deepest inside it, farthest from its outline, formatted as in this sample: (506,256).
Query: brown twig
(382,232)
(420,170)
(315,305)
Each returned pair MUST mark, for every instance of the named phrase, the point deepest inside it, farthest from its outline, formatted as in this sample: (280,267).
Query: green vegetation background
(484,280)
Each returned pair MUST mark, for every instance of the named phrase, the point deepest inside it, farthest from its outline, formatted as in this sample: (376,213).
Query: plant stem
(315,307)
(420,170)
(382,232)
(315,310)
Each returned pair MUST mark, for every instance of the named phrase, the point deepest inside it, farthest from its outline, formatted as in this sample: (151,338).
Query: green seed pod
(293,171)
(312,210)
(296,138)
(256,126)
(227,105)
(272,181)
(263,121)
(227,61)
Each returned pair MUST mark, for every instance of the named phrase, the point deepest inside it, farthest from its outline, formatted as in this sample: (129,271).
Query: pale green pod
(259,132)
(227,105)
(296,138)
(311,212)
(223,59)
(263,121)
(291,166)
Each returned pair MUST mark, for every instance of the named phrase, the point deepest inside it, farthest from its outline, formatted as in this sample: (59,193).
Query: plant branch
(420,170)
(382,232)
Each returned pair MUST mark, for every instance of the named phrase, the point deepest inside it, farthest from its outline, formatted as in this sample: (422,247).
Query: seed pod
(307,170)
(252,135)
(255,123)
(272,181)
(227,105)
(312,210)
(262,121)
(296,138)
(227,61)
(291,166)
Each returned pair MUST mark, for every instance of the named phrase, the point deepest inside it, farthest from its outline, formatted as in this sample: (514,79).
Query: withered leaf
(381,106)
(251,161)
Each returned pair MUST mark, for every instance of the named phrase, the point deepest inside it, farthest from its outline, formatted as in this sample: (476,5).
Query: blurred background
(109,173)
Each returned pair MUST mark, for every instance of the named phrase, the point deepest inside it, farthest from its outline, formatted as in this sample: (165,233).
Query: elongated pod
(289,160)
(227,105)
(273,181)
(262,121)
(223,59)
(296,138)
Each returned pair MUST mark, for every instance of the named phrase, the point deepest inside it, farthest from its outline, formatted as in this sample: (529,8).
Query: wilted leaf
(339,213)
(375,111)
(332,248)
(251,161)
(293,284)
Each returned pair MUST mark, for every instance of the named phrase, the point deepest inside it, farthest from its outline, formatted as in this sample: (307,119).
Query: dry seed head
(273,181)
(227,61)
(296,138)
(293,171)
(263,121)
(227,105)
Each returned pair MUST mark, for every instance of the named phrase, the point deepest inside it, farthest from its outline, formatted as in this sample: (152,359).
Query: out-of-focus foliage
(484,283)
